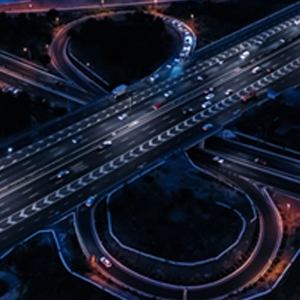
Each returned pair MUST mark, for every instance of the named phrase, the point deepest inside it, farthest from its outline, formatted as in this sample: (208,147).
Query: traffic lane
(250,154)
(83,162)
(37,80)
(269,224)
(54,155)
(241,76)
(57,152)
(151,155)
(211,292)
(67,69)
(257,173)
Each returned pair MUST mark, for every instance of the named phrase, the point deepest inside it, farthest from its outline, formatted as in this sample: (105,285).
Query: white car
(209,96)
(168,93)
(206,104)
(122,117)
(106,262)
(228,92)
(256,70)
(200,77)
(244,55)
(218,159)
(154,77)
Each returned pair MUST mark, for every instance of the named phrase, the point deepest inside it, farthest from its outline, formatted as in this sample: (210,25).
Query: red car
(157,105)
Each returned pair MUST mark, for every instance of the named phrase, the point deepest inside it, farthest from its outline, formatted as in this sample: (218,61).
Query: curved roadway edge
(118,273)
(71,68)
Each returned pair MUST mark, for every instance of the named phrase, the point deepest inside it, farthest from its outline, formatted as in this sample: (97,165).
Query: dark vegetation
(20,111)
(176,217)
(31,31)
(280,125)
(39,267)
(14,113)
(213,19)
(127,49)
(29,35)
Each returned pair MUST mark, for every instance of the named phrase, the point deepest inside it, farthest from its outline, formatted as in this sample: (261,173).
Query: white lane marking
(172,121)
(27,191)
(26,163)
(33,195)
(131,143)
(31,167)
(5,210)
(4,180)
(108,155)
(166,117)
(145,128)
(152,131)
(124,139)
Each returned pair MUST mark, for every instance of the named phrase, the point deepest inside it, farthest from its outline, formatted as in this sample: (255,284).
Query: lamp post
(130,105)
(288,205)
(27,50)
(102,2)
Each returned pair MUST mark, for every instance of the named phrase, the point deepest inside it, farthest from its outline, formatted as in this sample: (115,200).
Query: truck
(119,91)
(249,96)
(272,95)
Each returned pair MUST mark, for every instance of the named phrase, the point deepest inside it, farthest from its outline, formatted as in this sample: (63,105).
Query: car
(228,92)
(122,116)
(169,66)
(259,41)
(62,174)
(106,262)
(90,200)
(168,93)
(183,54)
(200,77)
(187,110)
(154,77)
(256,70)
(206,127)
(206,104)
(209,96)
(76,139)
(177,60)
(59,83)
(208,90)
(218,159)
(282,41)
(249,96)
(244,55)
(104,145)
(269,70)
(220,61)
(157,105)
(260,161)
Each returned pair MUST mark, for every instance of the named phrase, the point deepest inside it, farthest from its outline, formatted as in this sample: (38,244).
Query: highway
(32,195)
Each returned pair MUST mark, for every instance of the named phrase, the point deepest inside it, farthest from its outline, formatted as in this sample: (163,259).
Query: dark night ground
(289,289)
(173,213)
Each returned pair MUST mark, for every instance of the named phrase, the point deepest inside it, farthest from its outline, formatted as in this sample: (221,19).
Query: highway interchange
(31,194)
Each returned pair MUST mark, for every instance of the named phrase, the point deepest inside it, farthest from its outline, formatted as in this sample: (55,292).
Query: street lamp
(288,205)
(27,50)
(102,2)
(130,105)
